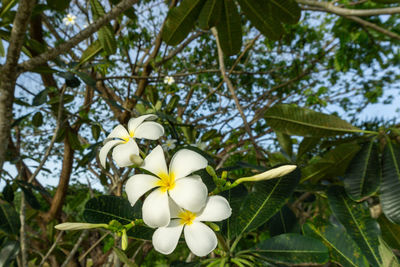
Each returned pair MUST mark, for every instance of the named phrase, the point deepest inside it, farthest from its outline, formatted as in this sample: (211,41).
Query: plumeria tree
(199,133)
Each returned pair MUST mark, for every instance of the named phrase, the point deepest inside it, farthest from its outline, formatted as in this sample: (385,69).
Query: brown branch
(79,37)
(374,27)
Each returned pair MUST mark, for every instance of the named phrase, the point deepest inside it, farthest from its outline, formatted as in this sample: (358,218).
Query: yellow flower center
(186,217)
(167,181)
(126,138)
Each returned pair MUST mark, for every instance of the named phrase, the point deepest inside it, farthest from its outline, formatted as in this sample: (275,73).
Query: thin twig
(51,248)
(75,248)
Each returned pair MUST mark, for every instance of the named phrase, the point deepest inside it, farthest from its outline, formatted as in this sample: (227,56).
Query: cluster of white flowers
(178,200)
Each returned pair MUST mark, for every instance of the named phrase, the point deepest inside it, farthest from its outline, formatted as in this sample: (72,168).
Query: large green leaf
(294,120)
(210,14)
(230,29)
(287,11)
(359,225)
(260,15)
(103,209)
(9,220)
(180,21)
(363,174)
(390,187)
(105,33)
(332,164)
(390,232)
(91,52)
(260,205)
(8,253)
(342,248)
(387,255)
(294,249)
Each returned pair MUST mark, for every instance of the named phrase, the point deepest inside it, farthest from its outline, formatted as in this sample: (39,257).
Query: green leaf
(173,103)
(342,248)
(286,143)
(387,255)
(87,79)
(58,5)
(293,249)
(74,140)
(230,29)
(8,193)
(9,220)
(306,145)
(2,51)
(334,163)
(122,256)
(180,21)
(390,232)
(260,205)
(37,119)
(390,187)
(261,16)
(282,222)
(363,174)
(294,120)
(30,197)
(90,52)
(40,98)
(287,11)
(104,209)
(96,131)
(358,223)
(105,33)
(210,14)
(5,8)
(9,252)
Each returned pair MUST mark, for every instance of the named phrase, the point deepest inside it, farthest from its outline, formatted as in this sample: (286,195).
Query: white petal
(119,132)
(174,209)
(200,239)
(155,162)
(217,209)
(105,149)
(165,239)
(122,153)
(139,184)
(155,209)
(135,122)
(185,161)
(149,130)
(189,193)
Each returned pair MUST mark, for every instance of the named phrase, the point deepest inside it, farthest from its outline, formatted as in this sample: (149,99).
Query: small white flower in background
(200,145)
(169,144)
(188,191)
(200,239)
(69,19)
(169,80)
(126,151)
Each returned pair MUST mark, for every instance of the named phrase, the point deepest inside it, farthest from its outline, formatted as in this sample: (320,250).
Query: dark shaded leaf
(210,14)
(94,49)
(282,222)
(306,145)
(40,98)
(180,21)
(9,220)
(286,143)
(390,187)
(8,193)
(30,198)
(390,232)
(287,11)
(293,249)
(363,174)
(359,225)
(230,29)
(37,119)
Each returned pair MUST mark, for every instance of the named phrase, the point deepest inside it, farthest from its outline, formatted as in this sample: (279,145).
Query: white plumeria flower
(169,80)
(69,19)
(200,145)
(200,239)
(188,191)
(123,140)
(169,144)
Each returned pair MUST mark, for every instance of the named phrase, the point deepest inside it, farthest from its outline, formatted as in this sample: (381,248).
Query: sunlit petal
(155,162)
(189,193)
(185,161)
(135,122)
(138,185)
(200,239)
(155,209)
(174,209)
(165,239)
(122,153)
(217,209)
(149,130)
(105,149)
(119,132)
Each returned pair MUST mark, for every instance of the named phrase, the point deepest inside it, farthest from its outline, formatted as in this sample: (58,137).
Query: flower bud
(79,226)
(124,240)
(270,174)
